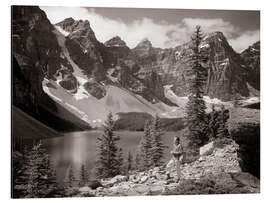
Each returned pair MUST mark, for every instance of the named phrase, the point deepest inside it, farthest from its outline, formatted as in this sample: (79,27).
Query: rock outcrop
(226,71)
(251,57)
(244,127)
(37,56)
(216,173)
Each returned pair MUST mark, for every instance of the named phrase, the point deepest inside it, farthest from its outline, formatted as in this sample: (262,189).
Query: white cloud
(161,34)
(246,39)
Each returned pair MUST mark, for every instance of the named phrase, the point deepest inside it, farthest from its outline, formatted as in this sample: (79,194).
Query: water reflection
(77,148)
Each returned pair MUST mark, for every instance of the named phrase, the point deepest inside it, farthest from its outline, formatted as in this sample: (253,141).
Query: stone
(94,184)
(143,179)
(207,149)
(115,180)
(140,188)
(85,189)
(155,190)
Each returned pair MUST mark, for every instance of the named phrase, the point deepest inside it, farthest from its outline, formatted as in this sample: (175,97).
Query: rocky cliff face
(244,127)
(251,57)
(227,74)
(83,47)
(34,46)
(68,62)
(37,55)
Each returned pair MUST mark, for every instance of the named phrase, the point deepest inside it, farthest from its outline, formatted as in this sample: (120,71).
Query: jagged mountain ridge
(251,57)
(227,74)
(36,55)
(80,66)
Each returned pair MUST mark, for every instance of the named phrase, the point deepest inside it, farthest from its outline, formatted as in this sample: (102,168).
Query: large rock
(207,149)
(115,180)
(223,159)
(222,183)
(244,127)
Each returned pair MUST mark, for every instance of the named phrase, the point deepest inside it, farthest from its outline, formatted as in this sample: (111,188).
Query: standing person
(177,154)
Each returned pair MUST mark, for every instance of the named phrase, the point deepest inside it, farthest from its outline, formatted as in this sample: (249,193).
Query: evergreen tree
(213,123)
(19,177)
(138,164)
(157,146)
(222,131)
(38,175)
(129,162)
(120,160)
(195,109)
(145,147)
(71,177)
(83,176)
(107,164)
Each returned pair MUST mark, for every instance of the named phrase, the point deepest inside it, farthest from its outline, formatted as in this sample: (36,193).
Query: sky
(165,28)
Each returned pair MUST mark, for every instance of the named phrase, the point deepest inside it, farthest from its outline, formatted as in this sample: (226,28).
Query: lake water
(77,148)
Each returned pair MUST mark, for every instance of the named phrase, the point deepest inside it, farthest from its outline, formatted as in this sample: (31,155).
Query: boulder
(155,190)
(115,180)
(85,189)
(244,127)
(207,149)
(143,179)
(94,184)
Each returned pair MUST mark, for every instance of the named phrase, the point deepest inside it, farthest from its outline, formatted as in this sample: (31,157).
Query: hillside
(217,171)
(32,128)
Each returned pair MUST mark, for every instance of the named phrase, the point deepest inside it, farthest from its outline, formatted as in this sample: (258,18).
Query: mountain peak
(115,42)
(70,19)
(144,43)
(215,36)
(70,25)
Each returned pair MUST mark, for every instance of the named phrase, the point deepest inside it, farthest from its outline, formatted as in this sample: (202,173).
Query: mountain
(37,55)
(65,72)
(226,73)
(251,57)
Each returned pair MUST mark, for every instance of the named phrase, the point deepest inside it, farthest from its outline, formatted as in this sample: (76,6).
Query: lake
(77,148)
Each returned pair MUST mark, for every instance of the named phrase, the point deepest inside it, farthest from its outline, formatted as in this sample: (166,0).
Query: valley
(76,100)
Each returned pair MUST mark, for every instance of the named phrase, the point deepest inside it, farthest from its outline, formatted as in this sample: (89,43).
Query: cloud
(246,39)
(161,34)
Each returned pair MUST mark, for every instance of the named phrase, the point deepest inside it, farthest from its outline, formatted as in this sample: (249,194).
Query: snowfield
(63,32)
(182,101)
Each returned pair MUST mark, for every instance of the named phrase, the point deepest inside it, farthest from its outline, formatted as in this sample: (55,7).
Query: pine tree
(213,123)
(40,178)
(157,146)
(138,162)
(107,163)
(222,131)
(145,147)
(18,173)
(83,176)
(120,160)
(129,162)
(71,177)
(195,109)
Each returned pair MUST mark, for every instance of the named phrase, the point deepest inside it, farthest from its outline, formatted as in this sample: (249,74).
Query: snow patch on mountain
(63,32)
(182,101)
(81,91)
(109,75)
